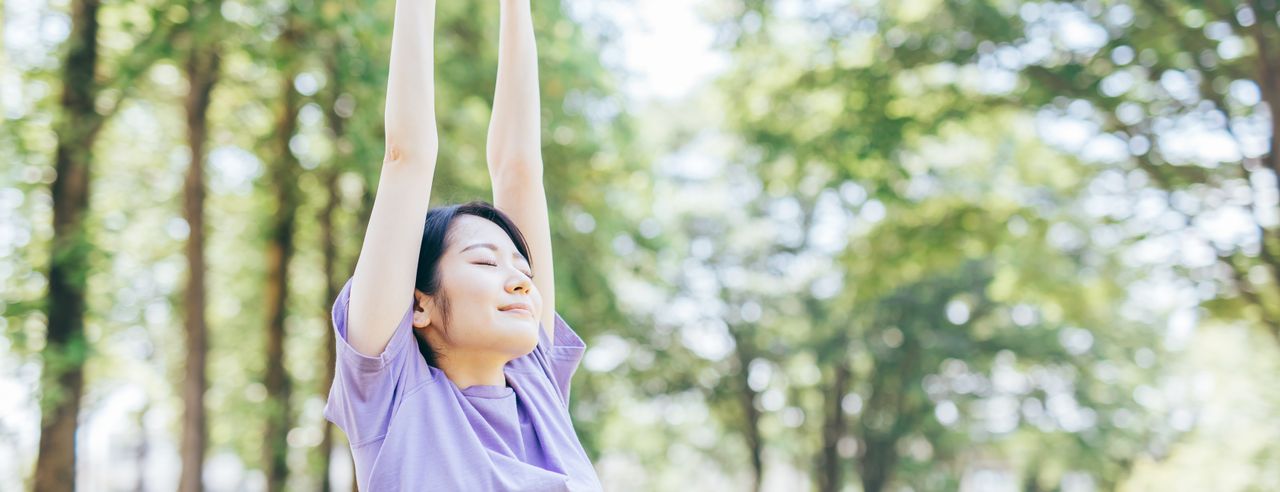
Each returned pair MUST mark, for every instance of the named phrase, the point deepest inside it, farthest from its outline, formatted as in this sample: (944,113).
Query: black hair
(436,239)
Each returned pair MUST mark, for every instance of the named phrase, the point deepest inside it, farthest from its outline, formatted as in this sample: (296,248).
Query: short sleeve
(366,390)
(563,353)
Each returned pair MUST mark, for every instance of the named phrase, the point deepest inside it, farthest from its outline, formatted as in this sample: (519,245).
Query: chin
(518,350)
(522,339)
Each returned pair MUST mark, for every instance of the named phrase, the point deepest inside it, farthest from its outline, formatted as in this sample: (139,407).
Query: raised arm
(514,147)
(382,285)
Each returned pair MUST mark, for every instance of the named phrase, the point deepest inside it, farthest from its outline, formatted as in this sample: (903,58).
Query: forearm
(514,141)
(410,115)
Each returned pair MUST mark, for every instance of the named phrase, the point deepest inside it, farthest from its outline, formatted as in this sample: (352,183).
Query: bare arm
(514,147)
(382,285)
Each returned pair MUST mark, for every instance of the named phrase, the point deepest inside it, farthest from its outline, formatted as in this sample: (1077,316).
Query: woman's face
(492,301)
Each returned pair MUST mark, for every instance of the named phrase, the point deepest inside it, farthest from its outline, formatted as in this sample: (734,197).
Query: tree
(1144,80)
(861,104)
(202,74)
(79,121)
(283,176)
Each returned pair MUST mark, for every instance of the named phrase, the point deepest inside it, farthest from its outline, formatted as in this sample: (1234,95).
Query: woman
(454,375)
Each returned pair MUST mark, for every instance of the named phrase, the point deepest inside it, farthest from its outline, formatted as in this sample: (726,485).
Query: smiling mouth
(521,311)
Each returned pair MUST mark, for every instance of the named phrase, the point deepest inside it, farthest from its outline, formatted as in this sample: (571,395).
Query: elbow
(399,152)
(393,154)
(410,140)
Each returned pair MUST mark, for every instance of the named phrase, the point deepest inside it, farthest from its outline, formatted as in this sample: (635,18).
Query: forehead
(469,229)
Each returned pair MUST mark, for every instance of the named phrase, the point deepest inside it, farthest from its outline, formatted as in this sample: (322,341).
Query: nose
(519,283)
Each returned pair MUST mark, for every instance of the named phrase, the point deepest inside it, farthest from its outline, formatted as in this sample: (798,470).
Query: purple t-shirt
(411,428)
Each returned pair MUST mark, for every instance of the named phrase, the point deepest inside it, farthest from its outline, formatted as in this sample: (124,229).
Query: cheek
(475,298)
(469,285)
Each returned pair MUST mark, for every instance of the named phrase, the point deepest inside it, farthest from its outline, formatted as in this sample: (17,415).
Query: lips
(518,308)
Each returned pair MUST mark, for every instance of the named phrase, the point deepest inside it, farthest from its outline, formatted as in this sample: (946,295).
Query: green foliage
(877,188)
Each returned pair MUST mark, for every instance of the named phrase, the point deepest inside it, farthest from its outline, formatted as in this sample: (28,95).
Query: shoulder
(554,360)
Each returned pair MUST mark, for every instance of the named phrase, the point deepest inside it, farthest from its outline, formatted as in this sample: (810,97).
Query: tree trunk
(1031,481)
(878,463)
(1268,70)
(1269,82)
(62,380)
(746,402)
(834,428)
(202,70)
(891,412)
(752,432)
(279,251)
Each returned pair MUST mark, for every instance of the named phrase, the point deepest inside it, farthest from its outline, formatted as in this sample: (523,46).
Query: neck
(467,369)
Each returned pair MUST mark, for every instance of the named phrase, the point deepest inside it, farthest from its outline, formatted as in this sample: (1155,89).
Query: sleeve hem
(396,345)
(565,338)
(368,441)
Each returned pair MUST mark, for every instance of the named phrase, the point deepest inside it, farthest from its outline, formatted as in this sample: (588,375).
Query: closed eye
(492,264)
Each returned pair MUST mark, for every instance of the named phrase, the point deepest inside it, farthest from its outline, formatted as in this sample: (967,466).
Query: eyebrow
(493,247)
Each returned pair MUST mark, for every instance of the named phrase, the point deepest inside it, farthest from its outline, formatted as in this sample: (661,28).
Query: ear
(423,305)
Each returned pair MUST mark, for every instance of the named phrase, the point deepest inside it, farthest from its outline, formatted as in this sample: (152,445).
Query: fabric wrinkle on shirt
(411,428)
